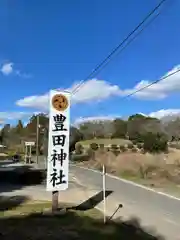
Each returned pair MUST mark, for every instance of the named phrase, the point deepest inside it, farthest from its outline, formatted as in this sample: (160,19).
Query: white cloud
(81,120)
(92,91)
(159,90)
(13,115)
(38,102)
(165,113)
(23,75)
(95,90)
(7,68)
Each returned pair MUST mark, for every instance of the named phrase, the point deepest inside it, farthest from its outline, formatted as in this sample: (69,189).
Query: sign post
(104,192)
(58,145)
(28,153)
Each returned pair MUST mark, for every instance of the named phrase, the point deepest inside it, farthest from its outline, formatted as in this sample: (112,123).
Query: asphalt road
(156,211)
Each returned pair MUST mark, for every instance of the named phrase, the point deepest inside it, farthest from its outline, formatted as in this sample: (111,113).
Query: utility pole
(37,139)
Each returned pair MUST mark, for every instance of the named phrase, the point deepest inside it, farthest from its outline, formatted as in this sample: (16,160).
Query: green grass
(25,208)
(30,207)
(106,142)
(25,222)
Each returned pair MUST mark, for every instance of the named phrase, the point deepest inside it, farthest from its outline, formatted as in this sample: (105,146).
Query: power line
(117,53)
(108,58)
(149,85)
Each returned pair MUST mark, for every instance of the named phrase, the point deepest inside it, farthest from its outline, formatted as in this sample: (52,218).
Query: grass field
(106,142)
(26,222)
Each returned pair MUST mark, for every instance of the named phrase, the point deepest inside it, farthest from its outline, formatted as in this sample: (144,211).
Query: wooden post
(30,154)
(25,156)
(55,196)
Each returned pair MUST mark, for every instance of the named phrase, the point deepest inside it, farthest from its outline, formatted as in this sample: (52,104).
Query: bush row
(153,143)
(116,149)
(174,145)
(85,154)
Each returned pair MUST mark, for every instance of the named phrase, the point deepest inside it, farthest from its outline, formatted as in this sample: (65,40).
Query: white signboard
(58,145)
(29,143)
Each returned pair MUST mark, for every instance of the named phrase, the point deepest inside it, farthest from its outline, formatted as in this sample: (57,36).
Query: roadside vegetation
(148,154)
(105,141)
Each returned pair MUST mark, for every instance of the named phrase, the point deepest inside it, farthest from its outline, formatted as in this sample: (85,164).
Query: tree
(138,125)
(1,139)
(19,128)
(75,136)
(5,134)
(134,126)
(172,129)
(32,125)
(154,142)
(88,130)
(119,128)
(96,129)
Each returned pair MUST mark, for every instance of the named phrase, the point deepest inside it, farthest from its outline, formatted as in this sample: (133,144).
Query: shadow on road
(93,201)
(14,178)
(21,175)
(8,203)
(6,162)
(71,225)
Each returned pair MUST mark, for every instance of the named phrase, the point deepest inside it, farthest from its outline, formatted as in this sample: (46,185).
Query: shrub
(115,149)
(94,146)
(114,146)
(155,142)
(139,145)
(130,146)
(128,173)
(101,146)
(142,151)
(78,148)
(146,171)
(116,152)
(134,149)
(174,145)
(134,142)
(79,157)
(122,148)
(90,153)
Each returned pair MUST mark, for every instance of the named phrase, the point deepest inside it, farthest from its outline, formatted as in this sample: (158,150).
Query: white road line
(171,221)
(77,181)
(131,183)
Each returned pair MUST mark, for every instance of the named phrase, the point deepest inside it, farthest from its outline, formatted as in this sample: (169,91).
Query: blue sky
(55,44)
